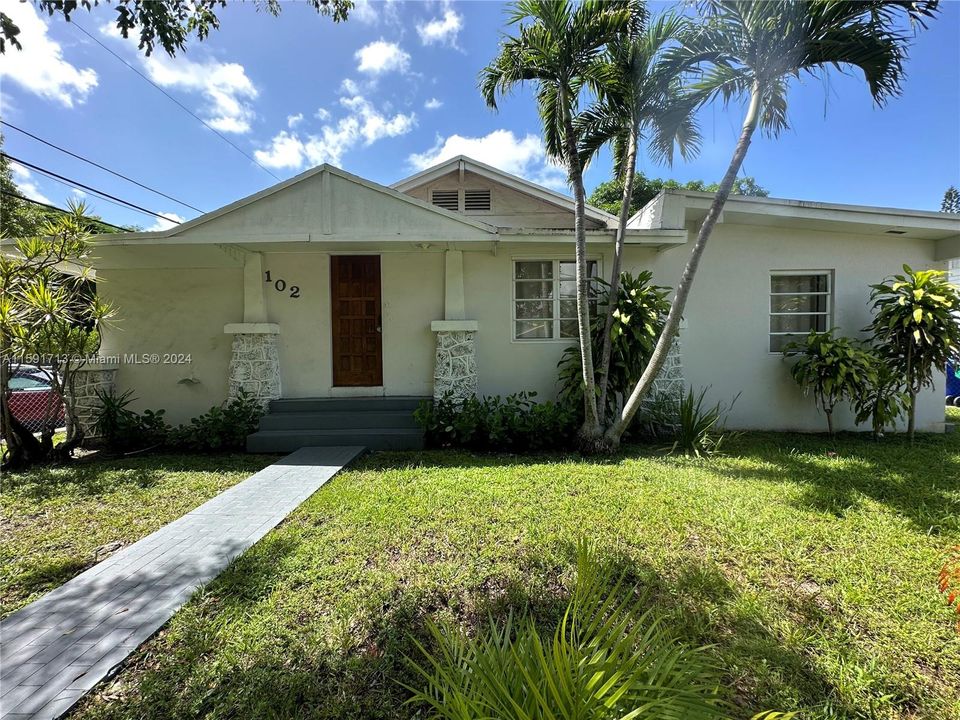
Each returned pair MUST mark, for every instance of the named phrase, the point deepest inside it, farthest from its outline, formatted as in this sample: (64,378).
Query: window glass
(799,302)
(545,298)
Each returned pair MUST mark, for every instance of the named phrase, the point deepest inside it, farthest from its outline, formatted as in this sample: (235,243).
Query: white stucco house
(328,287)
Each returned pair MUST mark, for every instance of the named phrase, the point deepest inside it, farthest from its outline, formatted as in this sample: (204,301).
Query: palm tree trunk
(629,173)
(662,349)
(591,431)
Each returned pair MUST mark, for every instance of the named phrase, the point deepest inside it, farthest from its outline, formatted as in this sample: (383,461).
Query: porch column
(455,366)
(255,358)
(96,376)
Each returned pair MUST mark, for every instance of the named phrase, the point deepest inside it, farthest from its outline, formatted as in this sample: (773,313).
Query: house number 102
(280,285)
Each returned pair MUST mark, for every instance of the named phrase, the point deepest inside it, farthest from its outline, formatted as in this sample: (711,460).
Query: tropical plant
(916,326)
(608,658)
(609,195)
(556,48)
(951,201)
(47,313)
(638,316)
(949,579)
(167,23)
(120,428)
(882,399)
(750,49)
(639,97)
(698,429)
(831,368)
(222,427)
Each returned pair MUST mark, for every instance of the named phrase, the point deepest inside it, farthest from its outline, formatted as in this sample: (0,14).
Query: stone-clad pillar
(255,361)
(89,382)
(455,368)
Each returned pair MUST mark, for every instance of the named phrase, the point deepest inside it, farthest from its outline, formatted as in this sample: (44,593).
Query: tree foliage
(916,327)
(608,195)
(951,201)
(47,312)
(165,23)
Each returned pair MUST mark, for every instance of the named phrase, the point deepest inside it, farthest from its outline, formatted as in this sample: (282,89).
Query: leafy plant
(949,579)
(699,428)
(123,429)
(882,399)
(223,427)
(638,319)
(608,658)
(831,368)
(916,327)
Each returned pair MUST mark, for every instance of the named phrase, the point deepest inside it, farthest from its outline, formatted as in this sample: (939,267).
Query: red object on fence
(32,401)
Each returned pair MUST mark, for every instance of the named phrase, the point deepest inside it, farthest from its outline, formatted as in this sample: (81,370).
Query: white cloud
(168,221)
(40,67)
(433,104)
(371,12)
(294,120)
(349,87)
(381,56)
(364,11)
(524,156)
(441,30)
(26,185)
(363,123)
(322,114)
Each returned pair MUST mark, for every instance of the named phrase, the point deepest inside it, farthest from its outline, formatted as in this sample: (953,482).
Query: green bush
(697,428)
(223,427)
(515,423)
(609,658)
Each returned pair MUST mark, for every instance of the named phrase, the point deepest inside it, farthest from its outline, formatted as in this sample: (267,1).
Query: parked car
(33,400)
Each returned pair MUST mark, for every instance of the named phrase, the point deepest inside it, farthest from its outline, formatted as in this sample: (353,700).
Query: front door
(357,339)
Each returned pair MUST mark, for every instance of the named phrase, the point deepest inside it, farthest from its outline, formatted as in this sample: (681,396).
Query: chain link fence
(32,400)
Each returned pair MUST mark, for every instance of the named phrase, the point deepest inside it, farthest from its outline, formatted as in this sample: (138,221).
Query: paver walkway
(57,648)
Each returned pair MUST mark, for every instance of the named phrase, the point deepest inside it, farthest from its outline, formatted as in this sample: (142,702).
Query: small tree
(916,327)
(883,399)
(833,369)
(47,311)
(951,201)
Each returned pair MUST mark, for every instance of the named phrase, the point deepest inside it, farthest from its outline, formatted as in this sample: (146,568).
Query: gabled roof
(462,162)
(330,170)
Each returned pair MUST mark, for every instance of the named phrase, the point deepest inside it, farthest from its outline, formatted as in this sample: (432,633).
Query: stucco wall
(162,311)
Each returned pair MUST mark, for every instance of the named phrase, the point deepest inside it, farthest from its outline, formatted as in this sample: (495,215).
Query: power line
(59,209)
(98,165)
(100,193)
(180,104)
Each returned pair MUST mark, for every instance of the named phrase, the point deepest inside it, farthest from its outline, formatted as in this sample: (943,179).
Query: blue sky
(393,90)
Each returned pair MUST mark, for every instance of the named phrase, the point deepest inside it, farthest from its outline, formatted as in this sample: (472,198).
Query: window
(545,298)
(799,302)
(447,199)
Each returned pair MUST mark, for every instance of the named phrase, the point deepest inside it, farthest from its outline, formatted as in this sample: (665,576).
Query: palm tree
(555,49)
(638,95)
(750,49)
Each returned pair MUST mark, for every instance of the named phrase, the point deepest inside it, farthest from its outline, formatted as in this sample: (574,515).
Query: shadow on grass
(226,657)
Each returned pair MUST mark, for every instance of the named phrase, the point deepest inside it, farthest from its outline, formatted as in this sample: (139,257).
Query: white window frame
(556,260)
(828,294)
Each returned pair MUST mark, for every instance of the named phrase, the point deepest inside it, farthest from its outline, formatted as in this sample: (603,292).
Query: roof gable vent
(447,199)
(476,200)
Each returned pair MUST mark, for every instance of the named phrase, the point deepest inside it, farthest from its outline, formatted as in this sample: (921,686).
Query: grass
(808,565)
(953,414)
(57,522)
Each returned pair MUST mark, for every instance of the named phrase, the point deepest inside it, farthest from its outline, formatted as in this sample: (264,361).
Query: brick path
(56,649)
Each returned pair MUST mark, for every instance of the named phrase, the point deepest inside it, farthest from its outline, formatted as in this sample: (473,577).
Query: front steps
(378,423)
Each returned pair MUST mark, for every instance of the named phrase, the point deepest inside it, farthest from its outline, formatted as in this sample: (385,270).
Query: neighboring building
(461,278)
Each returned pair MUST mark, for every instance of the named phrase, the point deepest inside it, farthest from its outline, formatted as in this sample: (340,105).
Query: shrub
(699,429)
(882,399)
(831,368)
(223,427)
(123,429)
(607,659)
(515,422)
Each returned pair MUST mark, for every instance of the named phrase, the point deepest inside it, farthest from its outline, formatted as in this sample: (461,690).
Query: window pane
(779,342)
(798,283)
(798,323)
(534,309)
(534,270)
(568,269)
(568,329)
(568,309)
(534,289)
(533,329)
(568,288)
(798,303)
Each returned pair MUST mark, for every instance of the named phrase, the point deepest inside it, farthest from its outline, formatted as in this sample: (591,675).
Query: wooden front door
(357,338)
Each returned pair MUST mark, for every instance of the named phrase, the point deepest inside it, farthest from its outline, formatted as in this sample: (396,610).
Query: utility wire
(59,209)
(180,104)
(98,165)
(101,193)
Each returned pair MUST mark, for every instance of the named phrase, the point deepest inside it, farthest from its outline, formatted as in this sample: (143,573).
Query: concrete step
(339,420)
(272,441)
(346,404)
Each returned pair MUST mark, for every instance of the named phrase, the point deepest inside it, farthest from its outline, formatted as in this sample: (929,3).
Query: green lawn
(810,566)
(953,414)
(54,520)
